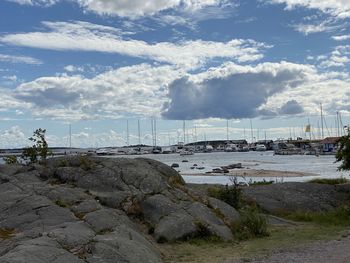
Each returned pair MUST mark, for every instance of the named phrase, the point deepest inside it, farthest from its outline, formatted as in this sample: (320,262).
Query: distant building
(330,144)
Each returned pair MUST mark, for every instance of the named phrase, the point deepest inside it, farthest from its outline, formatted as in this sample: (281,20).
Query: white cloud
(339,57)
(336,8)
(35,2)
(139,8)
(12,138)
(71,68)
(85,36)
(136,90)
(12,78)
(135,8)
(341,37)
(19,59)
(307,29)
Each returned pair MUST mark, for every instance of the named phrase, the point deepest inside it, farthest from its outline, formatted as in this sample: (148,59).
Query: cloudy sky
(95,64)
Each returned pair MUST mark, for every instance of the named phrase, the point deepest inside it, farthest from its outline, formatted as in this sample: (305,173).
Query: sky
(99,64)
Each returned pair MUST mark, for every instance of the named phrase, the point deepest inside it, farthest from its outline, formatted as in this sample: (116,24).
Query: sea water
(321,166)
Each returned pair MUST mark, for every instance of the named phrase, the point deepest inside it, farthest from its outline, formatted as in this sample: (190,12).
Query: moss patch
(6,233)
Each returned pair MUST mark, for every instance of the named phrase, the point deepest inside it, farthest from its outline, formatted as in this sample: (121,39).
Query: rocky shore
(90,209)
(83,209)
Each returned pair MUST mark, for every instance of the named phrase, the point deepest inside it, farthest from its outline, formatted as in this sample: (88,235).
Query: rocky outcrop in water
(84,209)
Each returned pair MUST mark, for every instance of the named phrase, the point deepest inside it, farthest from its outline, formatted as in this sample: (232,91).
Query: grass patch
(264,182)
(218,251)
(176,181)
(331,181)
(337,217)
(62,203)
(6,233)
(252,224)
(85,163)
(231,195)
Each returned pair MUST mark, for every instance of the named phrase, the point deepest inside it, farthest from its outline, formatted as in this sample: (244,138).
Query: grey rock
(156,207)
(289,197)
(228,213)
(123,245)
(4,178)
(86,206)
(40,250)
(72,235)
(208,219)
(176,226)
(105,220)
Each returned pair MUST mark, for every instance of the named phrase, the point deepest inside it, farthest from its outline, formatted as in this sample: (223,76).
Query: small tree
(343,153)
(39,149)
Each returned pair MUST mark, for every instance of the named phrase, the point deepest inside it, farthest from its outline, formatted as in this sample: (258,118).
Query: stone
(40,250)
(176,226)
(72,235)
(123,245)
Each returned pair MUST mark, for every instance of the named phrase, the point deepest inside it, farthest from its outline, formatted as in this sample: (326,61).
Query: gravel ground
(335,251)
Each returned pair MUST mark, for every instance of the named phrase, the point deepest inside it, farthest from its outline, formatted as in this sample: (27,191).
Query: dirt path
(335,251)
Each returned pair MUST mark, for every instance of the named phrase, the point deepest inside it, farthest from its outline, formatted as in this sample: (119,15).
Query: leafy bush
(232,195)
(343,153)
(331,181)
(39,149)
(251,224)
(11,159)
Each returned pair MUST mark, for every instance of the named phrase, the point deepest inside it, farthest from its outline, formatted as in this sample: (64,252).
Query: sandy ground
(256,173)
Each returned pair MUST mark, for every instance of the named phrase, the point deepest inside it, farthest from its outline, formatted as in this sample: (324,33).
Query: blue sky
(95,64)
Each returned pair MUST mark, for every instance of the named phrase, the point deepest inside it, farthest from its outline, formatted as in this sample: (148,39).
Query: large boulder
(89,209)
(290,197)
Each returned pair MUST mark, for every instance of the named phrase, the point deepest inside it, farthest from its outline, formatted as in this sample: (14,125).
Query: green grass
(231,195)
(280,237)
(331,181)
(252,224)
(337,217)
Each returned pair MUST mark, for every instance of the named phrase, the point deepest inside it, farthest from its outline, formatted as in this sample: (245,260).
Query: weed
(6,233)
(331,181)
(11,159)
(251,224)
(85,163)
(232,195)
(62,203)
(337,217)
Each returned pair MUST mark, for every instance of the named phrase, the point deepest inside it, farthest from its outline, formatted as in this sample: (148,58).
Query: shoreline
(255,173)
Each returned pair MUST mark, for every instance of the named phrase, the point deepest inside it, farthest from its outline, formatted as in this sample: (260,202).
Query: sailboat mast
(155,132)
(152,131)
(322,135)
(227,130)
(139,131)
(127,132)
(184,131)
(70,135)
(251,129)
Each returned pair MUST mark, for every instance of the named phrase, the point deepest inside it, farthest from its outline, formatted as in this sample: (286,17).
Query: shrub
(232,195)
(252,224)
(39,149)
(85,163)
(11,159)
(343,153)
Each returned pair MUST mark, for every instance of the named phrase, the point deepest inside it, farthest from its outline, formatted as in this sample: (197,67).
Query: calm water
(323,166)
